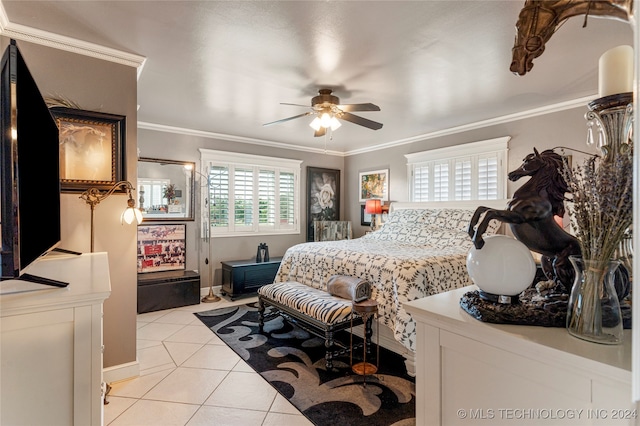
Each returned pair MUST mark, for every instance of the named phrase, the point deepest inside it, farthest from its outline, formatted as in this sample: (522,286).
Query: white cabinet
(471,372)
(51,343)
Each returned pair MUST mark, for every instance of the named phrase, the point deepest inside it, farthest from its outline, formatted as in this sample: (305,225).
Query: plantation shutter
(488,178)
(462,178)
(287,200)
(242,198)
(421,183)
(266,197)
(219,196)
(474,171)
(248,198)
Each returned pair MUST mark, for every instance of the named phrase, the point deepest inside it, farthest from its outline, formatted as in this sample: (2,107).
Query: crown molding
(562,106)
(57,41)
(548,109)
(232,138)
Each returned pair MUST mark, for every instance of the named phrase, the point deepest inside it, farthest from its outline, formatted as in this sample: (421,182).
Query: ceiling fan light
(325,120)
(335,123)
(315,124)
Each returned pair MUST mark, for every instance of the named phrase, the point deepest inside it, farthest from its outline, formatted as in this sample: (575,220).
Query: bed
(419,251)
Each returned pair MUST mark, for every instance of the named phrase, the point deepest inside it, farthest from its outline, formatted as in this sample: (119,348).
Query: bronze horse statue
(539,20)
(530,215)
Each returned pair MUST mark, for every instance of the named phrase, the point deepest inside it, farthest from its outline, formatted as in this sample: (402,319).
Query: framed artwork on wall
(323,196)
(374,184)
(161,248)
(92,149)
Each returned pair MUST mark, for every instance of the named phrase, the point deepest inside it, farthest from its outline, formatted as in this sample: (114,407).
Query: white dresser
(470,372)
(51,343)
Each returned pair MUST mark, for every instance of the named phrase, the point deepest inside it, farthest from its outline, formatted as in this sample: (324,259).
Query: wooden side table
(368,310)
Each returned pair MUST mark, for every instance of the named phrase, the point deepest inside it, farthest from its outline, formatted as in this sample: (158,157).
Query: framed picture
(92,149)
(374,184)
(161,248)
(365,218)
(323,196)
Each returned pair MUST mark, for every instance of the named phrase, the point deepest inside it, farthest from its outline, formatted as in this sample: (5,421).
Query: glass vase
(593,312)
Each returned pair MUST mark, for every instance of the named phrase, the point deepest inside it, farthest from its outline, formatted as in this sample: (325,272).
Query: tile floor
(188,376)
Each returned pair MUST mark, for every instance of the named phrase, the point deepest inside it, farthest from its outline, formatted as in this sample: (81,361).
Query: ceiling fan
(327,109)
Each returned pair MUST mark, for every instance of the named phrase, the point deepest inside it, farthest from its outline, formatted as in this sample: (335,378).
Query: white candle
(616,71)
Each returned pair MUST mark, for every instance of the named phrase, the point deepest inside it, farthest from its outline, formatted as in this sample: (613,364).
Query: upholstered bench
(313,310)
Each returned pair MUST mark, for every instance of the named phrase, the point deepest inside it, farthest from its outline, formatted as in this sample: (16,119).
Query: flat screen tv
(30,174)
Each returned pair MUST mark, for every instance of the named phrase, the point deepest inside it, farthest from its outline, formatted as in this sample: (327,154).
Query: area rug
(292,361)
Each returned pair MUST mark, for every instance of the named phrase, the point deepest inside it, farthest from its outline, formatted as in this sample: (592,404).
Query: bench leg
(328,344)
(261,316)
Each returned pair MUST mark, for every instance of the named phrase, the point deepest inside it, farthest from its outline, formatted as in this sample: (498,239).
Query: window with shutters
(474,171)
(250,194)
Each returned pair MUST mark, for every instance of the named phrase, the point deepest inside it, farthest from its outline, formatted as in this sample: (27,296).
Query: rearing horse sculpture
(539,20)
(530,215)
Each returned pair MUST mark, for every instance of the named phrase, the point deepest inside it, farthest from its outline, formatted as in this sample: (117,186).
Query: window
(473,171)
(251,194)
(152,191)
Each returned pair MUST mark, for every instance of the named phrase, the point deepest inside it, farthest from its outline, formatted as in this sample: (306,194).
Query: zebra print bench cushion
(309,301)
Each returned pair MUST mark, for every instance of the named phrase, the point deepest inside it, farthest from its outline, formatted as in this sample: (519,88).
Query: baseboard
(121,372)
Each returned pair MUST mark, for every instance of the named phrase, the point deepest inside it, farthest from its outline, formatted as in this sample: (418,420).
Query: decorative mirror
(165,189)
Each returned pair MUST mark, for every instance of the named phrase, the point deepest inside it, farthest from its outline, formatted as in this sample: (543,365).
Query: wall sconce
(374,208)
(93,197)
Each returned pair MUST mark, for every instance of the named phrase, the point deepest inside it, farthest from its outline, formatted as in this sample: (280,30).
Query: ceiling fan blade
(287,119)
(320,132)
(373,125)
(359,107)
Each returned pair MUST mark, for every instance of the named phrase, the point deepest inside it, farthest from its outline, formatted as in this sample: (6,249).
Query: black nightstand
(245,277)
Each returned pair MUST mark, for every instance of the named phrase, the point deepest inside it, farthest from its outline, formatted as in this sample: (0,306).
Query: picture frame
(92,149)
(323,196)
(365,218)
(161,248)
(373,185)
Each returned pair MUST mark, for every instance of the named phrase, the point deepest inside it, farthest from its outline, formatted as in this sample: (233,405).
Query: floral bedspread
(415,254)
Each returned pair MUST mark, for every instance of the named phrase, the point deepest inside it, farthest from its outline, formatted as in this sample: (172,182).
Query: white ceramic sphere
(503,266)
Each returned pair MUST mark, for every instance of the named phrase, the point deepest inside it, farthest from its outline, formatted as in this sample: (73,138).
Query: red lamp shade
(373,207)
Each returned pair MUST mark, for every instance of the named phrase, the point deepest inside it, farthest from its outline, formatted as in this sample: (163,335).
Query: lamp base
(211,297)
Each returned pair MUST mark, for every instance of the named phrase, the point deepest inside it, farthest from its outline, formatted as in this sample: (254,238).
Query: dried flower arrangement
(601,212)
(601,207)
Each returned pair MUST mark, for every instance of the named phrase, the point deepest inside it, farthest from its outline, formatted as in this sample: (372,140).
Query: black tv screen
(30,174)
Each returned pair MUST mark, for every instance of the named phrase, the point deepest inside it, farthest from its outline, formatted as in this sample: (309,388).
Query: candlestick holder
(613,117)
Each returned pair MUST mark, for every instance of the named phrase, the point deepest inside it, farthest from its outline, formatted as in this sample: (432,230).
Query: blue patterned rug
(292,361)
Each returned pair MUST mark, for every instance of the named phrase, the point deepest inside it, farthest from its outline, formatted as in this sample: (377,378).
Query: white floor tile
(157,331)
(279,419)
(154,413)
(243,366)
(282,405)
(177,317)
(214,357)
(196,333)
(142,344)
(115,407)
(137,387)
(223,416)
(154,356)
(187,385)
(180,352)
(232,392)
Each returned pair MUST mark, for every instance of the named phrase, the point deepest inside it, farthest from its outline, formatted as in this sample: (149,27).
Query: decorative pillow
(408,216)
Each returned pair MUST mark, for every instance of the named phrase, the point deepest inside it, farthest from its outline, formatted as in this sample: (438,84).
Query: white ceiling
(223,67)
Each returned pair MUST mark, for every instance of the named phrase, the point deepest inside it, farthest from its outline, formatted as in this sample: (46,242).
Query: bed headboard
(466,205)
